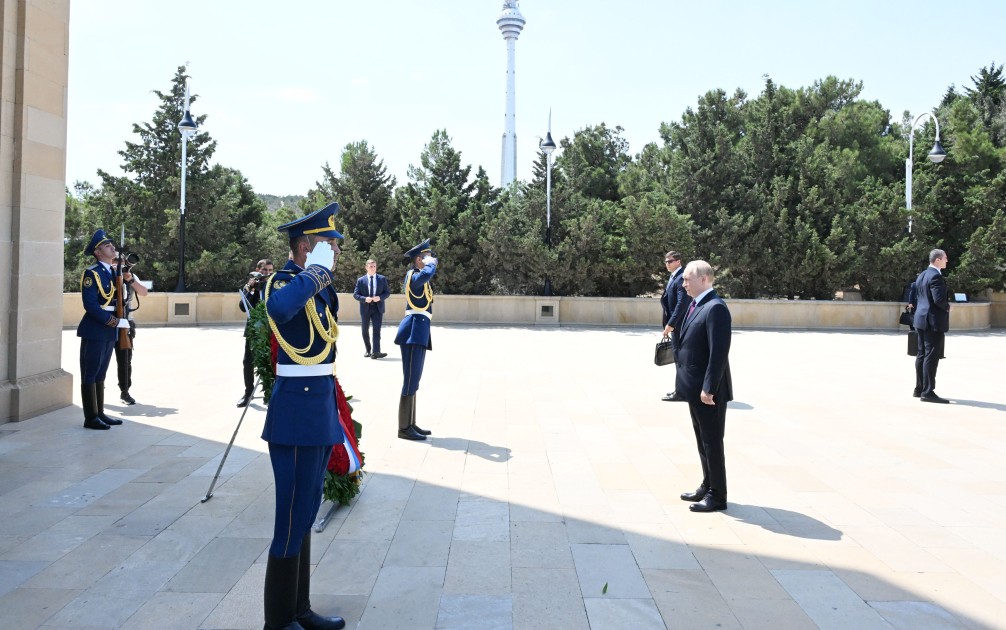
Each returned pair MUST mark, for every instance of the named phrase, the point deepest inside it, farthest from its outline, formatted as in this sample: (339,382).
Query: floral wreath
(340,484)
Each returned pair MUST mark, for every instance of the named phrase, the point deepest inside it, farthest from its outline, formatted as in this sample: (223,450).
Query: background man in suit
(932,321)
(371,292)
(703,378)
(674,301)
(124,356)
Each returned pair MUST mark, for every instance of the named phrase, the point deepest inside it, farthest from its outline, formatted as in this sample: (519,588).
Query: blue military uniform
(414,337)
(302,423)
(97,331)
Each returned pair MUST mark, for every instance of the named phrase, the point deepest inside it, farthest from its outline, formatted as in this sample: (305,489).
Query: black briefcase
(913,343)
(664,352)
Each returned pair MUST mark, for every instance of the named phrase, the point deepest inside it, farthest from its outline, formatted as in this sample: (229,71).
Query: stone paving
(547,498)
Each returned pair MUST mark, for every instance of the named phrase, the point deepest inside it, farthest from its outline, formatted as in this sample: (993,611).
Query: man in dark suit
(931,321)
(371,292)
(703,378)
(674,301)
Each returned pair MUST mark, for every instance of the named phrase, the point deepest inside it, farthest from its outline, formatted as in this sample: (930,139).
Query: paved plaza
(547,498)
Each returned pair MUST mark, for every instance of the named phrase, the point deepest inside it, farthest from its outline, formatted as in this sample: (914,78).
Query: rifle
(120,295)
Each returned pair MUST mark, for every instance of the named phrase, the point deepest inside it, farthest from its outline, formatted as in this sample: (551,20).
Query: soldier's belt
(322,369)
(423,313)
(108,308)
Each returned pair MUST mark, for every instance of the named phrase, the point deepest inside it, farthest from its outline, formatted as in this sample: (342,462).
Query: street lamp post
(187,127)
(548,146)
(936,156)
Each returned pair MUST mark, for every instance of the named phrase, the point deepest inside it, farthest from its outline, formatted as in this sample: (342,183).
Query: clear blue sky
(286,84)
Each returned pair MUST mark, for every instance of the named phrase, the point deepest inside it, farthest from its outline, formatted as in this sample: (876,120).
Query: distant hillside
(274,202)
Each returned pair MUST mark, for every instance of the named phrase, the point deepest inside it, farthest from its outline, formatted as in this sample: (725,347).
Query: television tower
(510,23)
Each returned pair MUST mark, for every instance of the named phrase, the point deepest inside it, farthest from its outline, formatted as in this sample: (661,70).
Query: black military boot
(281,593)
(405,430)
(99,398)
(413,420)
(91,419)
(306,617)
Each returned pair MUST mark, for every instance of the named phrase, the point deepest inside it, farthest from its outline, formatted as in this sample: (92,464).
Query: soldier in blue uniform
(302,423)
(98,329)
(414,335)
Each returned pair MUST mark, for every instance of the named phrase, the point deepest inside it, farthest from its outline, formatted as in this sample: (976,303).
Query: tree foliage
(794,193)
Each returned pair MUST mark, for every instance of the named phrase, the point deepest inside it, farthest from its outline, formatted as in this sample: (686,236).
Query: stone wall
(33,87)
(207,309)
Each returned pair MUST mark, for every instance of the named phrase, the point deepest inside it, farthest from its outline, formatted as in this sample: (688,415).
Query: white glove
(429,260)
(322,255)
(123,323)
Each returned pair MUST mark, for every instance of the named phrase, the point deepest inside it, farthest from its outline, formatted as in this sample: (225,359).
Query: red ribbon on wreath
(338,462)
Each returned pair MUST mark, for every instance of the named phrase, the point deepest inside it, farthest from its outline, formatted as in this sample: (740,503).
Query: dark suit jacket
(703,351)
(932,303)
(675,301)
(362,292)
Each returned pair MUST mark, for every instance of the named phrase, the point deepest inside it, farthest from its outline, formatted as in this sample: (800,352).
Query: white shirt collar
(702,295)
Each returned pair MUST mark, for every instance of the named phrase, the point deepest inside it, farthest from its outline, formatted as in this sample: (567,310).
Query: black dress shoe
(378,355)
(698,495)
(421,431)
(311,620)
(673,397)
(244,400)
(916,393)
(366,356)
(933,398)
(96,423)
(410,434)
(126,398)
(709,504)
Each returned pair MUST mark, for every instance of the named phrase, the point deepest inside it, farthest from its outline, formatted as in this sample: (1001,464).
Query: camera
(129,259)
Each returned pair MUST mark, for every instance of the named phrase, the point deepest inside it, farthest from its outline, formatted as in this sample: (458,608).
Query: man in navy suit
(371,292)
(302,423)
(931,321)
(414,335)
(703,378)
(98,329)
(674,301)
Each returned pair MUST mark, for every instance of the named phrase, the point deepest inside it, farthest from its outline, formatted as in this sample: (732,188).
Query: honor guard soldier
(302,423)
(414,335)
(98,329)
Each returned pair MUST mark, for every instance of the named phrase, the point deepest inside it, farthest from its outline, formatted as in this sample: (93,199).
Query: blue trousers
(94,358)
(299,472)
(366,318)
(413,358)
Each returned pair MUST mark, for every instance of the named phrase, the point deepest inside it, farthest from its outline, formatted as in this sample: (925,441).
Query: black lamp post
(936,156)
(187,127)
(548,146)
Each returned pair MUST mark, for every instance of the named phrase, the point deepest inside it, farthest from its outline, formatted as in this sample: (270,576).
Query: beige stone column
(33,87)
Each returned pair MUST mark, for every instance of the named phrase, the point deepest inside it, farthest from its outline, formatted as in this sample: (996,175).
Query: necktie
(372,286)
(691,309)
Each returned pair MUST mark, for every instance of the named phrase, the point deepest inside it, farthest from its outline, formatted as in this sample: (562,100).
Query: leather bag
(664,352)
(906,318)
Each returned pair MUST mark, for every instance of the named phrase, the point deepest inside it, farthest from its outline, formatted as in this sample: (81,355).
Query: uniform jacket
(302,410)
(362,292)
(675,300)
(97,292)
(702,358)
(932,303)
(415,328)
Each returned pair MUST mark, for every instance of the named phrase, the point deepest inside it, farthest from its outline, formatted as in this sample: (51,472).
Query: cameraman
(132,286)
(252,294)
